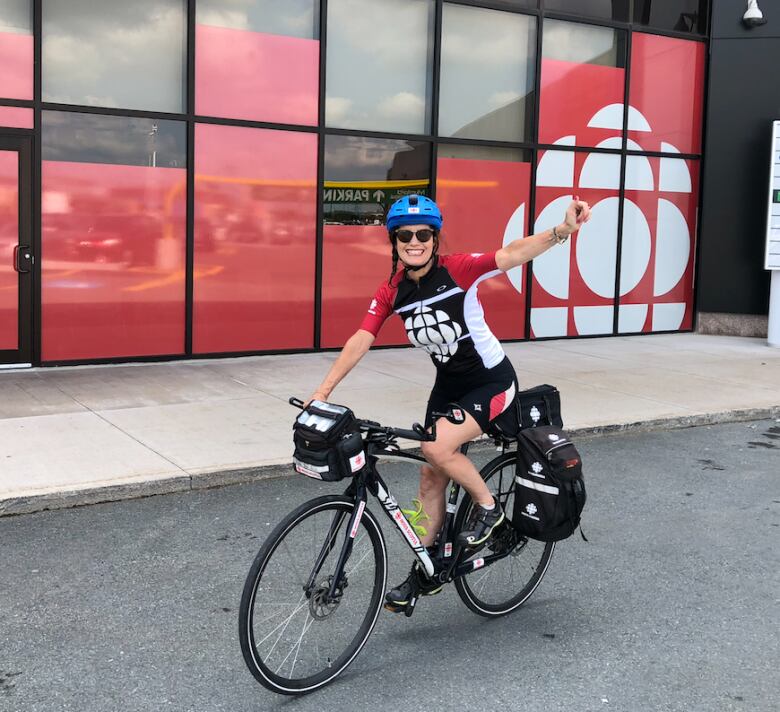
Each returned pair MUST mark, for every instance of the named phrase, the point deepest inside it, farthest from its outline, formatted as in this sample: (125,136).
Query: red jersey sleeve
(467,269)
(380,308)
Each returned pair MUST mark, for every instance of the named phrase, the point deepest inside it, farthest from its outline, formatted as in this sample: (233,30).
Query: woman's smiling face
(415,253)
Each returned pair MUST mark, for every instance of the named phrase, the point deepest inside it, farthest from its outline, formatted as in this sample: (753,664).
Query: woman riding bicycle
(436,296)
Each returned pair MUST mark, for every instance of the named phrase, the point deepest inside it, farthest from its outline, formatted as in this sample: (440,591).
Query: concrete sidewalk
(95,433)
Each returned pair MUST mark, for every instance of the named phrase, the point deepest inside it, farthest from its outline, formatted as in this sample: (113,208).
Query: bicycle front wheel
(505,585)
(294,638)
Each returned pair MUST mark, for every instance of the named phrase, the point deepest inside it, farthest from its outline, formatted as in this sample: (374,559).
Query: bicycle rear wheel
(505,585)
(292,638)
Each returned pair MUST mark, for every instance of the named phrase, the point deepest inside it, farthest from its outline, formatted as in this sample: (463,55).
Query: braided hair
(395,262)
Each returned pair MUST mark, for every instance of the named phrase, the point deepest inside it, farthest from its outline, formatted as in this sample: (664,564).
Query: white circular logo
(535,414)
(530,508)
(536,467)
(553,437)
(434,331)
(595,248)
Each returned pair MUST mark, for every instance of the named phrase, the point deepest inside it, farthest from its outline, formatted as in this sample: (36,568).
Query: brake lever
(423,433)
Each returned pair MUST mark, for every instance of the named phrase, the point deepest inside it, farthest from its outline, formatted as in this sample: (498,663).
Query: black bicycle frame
(369,481)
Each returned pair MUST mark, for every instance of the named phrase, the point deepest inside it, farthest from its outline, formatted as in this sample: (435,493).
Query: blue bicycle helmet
(413,210)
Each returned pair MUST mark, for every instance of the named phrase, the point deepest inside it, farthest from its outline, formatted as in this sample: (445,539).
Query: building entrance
(16,252)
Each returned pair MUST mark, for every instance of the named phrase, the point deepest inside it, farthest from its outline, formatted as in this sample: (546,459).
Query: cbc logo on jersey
(433,330)
(595,251)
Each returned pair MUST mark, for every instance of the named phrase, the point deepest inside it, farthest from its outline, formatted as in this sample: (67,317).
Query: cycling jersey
(442,313)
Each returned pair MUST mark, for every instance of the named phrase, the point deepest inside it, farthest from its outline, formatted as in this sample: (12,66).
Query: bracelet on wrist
(557,237)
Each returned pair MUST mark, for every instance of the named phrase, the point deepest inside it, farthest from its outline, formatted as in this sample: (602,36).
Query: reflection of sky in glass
(584,44)
(16,16)
(295,18)
(90,138)
(487,68)
(608,9)
(361,158)
(115,53)
(379,54)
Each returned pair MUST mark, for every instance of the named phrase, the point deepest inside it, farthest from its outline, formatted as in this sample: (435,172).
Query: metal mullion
(360,133)
(37,282)
(700,161)
(668,33)
(246,123)
(494,143)
(487,5)
(436,67)
(189,270)
(578,149)
(622,183)
(534,162)
(435,91)
(661,154)
(319,235)
(113,111)
(595,21)
(22,103)
(529,227)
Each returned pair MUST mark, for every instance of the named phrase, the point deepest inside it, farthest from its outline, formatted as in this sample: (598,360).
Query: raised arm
(524,249)
(356,347)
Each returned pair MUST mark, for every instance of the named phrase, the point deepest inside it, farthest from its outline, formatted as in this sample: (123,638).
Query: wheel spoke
(279,648)
(509,580)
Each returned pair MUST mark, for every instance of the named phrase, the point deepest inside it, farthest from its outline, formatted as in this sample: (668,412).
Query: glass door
(16,255)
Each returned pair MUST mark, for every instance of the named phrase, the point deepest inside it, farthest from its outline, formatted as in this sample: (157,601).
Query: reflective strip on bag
(305,468)
(538,486)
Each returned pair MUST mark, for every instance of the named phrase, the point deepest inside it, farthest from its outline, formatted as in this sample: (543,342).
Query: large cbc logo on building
(574,285)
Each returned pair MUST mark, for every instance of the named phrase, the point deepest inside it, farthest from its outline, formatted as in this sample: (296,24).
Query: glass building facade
(198,177)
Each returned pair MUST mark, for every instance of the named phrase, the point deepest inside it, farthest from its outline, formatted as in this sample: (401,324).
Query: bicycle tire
(499,475)
(335,509)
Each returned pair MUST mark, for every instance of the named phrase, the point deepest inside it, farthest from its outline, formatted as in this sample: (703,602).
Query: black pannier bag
(540,405)
(549,486)
(327,441)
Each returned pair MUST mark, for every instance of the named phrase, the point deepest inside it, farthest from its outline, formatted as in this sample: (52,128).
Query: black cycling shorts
(484,396)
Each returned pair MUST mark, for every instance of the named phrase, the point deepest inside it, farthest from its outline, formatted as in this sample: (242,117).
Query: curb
(220,478)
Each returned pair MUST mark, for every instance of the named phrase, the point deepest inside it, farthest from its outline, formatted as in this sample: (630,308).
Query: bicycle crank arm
(481,562)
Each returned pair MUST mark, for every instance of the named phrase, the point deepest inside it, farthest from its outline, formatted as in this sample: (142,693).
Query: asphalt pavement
(671,606)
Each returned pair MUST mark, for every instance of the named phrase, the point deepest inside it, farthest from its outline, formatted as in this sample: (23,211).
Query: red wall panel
(356,259)
(657,260)
(255,226)
(478,198)
(667,87)
(16,66)
(16,117)
(573,94)
(113,260)
(256,76)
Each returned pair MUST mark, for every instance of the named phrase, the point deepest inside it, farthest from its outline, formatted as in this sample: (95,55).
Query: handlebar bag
(328,445)
(549,486)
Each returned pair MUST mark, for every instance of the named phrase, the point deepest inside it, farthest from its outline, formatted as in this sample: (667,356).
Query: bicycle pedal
(409,609)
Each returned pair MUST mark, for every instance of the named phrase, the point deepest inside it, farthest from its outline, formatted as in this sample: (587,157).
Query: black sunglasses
(422,235)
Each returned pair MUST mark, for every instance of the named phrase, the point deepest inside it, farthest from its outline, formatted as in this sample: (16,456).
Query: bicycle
(322,572)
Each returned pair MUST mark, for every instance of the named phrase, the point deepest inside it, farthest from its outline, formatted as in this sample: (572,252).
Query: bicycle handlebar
(418,432)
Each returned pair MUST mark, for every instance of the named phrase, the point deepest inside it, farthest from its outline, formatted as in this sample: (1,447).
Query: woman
(436,296)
